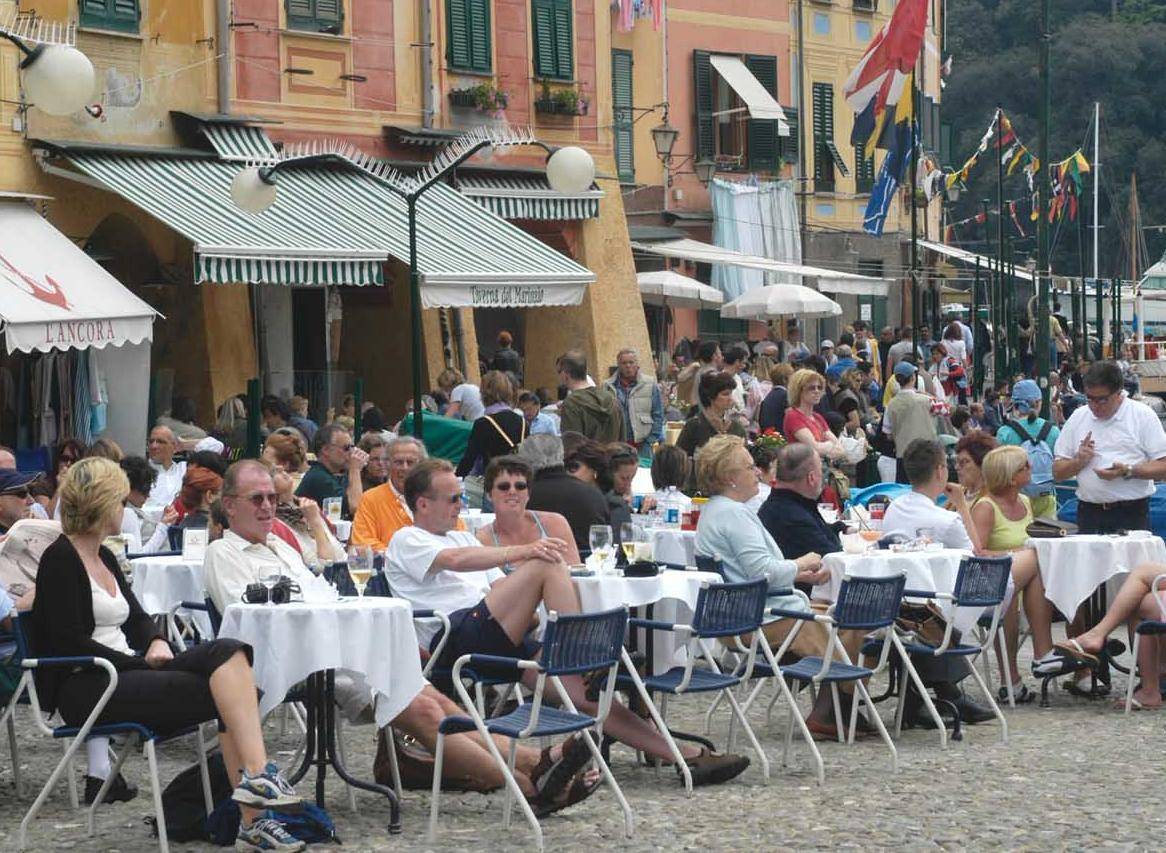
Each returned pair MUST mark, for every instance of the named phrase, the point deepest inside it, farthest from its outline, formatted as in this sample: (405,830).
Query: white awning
(53,295)
(758,101)
(829,281)
(967,257)
(664,287)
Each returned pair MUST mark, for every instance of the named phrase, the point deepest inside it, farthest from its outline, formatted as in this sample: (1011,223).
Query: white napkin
(318,591)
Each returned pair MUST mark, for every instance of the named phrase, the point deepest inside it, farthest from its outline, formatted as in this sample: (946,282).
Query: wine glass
(628,535)
(269,582)
(599,538)
(360,566)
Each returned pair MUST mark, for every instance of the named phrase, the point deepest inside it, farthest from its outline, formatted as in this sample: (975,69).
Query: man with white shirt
(435,566)
(925,464)
(1116,448)
(161,447)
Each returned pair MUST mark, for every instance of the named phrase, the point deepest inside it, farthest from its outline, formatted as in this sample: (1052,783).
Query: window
(711,325)
(865,5)
(622,102)
(553,39)
(788,145)
(316,16)
(862,31)
(724,130)
(824,210)
(825,153)
(864,169)
(821,23)
(121,15)
(467,36)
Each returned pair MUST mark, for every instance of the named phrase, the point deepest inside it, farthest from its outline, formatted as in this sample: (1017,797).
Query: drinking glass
(599,538)
(629,534)
(269,582)
(360,566)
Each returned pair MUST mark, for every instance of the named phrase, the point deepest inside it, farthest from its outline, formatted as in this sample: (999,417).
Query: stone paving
(1067,779)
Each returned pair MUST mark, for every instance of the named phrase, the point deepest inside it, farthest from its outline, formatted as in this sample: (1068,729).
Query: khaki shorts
(811,638)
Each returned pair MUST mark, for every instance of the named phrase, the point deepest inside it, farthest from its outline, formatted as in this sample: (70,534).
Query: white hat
(827,344)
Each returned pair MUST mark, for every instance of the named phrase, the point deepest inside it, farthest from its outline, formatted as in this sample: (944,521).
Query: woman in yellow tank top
(1001,517)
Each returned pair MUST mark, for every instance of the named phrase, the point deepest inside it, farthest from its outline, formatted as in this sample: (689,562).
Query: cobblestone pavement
(1067,779)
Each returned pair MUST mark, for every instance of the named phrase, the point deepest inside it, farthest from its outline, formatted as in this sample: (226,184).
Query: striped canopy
(238,143)
(519,196)
(335,224)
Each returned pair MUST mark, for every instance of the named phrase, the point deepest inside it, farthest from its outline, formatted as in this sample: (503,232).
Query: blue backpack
(313,824)
(1040,457)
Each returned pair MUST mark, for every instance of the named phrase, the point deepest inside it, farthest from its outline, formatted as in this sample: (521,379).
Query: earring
(732,485)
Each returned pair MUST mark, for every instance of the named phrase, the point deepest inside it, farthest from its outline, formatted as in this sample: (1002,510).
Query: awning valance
(758,102)
(54,296)
(829,281)
(335,224)
(238,143)
(516,196)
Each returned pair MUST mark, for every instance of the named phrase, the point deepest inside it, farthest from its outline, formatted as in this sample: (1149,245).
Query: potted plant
(545,102)
(483,97)
(569,102)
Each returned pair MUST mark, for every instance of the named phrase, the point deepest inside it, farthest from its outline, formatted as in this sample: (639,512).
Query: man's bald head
(162,445)
(7,457)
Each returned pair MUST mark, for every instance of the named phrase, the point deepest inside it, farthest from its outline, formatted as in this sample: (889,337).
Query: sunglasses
(1105,398)
(519,486)
(451,500)
(258,499)
(22,493)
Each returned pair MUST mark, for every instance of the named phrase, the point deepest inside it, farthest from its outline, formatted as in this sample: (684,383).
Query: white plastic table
(1072,567)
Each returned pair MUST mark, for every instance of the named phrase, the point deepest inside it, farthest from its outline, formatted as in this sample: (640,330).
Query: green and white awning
(234,142)
(518,196)
(335,224)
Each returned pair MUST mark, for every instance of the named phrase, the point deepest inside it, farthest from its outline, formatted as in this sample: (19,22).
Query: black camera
(281,593)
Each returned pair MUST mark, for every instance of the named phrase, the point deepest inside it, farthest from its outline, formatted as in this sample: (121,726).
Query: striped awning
(516,196)
(237,143)
(335,224)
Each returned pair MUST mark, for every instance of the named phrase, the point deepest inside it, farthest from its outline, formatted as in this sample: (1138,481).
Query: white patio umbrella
(780,300)
(674,290)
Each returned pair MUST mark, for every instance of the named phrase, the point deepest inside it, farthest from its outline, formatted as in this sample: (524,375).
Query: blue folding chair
(1146,628)
(722,610)
(77,735)
(982,583)
(572,645)
(864,604)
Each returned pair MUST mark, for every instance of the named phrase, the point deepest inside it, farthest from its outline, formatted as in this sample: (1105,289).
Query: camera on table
(281,593)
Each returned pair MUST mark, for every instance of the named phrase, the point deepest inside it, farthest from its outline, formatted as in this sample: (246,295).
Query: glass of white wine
(628,536)
(360,567)
(599,538)
(269,583)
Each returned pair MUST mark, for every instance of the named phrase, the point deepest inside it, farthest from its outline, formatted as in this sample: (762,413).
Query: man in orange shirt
(382,510)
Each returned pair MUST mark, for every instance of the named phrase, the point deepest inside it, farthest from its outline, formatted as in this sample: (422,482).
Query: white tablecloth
(474,520)
(373,636)
(642,482)
(933,571)
(1072,567)
(673,545)
(673,592)
(160,583)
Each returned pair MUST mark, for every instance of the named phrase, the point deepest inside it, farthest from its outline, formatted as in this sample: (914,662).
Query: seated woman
(970,451)
(1001,517)
(147,536)
(671,469)
(286,449)
(200,488)
(507,483)
(303,517)
(616,482)
(376,472)
(584,459)
(86,608)
(729,531)
(765,469)
(802,420)
(715,393)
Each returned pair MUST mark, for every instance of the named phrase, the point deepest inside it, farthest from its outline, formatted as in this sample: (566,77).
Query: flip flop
(1073,651)
(551,778)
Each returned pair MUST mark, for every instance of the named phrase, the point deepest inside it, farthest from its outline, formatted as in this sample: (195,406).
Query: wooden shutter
(864,171)
(761,134)
(788,145)
(622,102)
(122,15)
(457,34)
(543,36)
(564,39)
(481,59)
(126,10)
(706,144)
(823,104)
(329,12)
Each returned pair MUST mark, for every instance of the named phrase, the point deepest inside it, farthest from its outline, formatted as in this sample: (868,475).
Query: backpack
(182,801)
(313,824)
(1039,457)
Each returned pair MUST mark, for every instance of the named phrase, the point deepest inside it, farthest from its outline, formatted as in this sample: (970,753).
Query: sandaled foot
(710,768)
(1137,704)
(1021,695)
(581,786)
(551,777)
(1064,655)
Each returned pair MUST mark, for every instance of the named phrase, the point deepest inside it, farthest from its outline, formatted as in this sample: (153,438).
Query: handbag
(1046,527)
(926,622)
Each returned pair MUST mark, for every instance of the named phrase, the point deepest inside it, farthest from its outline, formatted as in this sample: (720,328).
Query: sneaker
(265,833)
(268,790)
(120,791)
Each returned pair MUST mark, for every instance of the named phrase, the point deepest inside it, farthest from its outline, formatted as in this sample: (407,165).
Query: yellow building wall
(647,46)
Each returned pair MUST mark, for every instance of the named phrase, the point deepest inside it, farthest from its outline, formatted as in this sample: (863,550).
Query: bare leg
(1010,624)
(233,689)
(1148,694)
(1038,610)
(1125,604)
(234,772)
(514,598)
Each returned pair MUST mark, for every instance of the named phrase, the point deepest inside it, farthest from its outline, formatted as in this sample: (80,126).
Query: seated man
(383,510)
(554,490)
(435,566)
(790,513)
(248,551)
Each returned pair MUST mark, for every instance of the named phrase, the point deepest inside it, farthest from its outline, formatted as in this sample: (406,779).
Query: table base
(320,750)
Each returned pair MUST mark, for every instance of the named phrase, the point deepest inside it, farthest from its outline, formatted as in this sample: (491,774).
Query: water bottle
(671,506)
(461,485)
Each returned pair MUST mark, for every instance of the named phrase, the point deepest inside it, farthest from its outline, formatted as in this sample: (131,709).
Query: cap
(827,344)
(1024,393)
(905,369)
(11,479)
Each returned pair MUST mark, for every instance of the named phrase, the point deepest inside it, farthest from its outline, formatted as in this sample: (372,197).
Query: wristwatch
(1127,471)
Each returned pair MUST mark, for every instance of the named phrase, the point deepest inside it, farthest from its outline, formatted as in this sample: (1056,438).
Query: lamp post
(58,78)
(570,170)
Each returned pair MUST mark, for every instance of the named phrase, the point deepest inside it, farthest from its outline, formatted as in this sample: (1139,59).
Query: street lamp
(570,170)
(58,78)
(664,138)
(705,170)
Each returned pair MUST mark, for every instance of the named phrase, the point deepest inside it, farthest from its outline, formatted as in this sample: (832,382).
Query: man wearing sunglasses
(1116,448)
(15,500)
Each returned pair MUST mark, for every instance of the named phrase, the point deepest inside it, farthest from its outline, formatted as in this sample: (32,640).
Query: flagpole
(1005,297)
(1042,270)
(916,314)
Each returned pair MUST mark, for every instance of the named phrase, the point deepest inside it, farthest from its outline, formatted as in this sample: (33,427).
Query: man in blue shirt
(845,361)
(790,513)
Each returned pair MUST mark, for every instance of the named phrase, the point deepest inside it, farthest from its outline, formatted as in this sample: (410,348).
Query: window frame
(476,64)
(314,23)
(555,8)
(109,18)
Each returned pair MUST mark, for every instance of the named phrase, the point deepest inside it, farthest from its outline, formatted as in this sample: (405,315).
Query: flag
(882,75)
(894,169)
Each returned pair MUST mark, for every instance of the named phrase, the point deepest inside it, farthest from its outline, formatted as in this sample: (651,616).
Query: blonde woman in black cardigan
(84,607)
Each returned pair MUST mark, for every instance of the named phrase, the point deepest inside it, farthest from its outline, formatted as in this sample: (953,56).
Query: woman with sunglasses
(507,484)
(802,423)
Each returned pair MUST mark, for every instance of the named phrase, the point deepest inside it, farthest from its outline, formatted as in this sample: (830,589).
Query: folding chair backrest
(869,603)
(20,635)
(337,575)
(378,584)
(728,609)
(710,564)
(583,642)
(212,613)
(982,581)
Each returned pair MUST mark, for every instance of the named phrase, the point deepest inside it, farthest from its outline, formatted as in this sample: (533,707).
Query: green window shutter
(788,145)
(761,134)
(823,104)
(481,59)
(121,15)
(315,15)
(864,170)
(706,144)
(553,39)
(622,102)
(467,32)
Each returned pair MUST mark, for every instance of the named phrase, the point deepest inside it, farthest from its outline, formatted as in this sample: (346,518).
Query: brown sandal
(577,792)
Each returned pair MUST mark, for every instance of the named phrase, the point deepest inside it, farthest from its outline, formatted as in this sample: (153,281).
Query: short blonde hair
(798,383)
(1000,466)
(714,462)
(92,491)
(450,378)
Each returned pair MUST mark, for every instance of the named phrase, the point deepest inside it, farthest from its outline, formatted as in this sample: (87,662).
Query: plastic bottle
(461,485)
(672,504)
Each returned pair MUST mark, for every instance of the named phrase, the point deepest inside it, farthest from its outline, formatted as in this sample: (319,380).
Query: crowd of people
(762,435)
